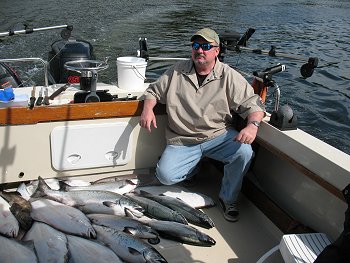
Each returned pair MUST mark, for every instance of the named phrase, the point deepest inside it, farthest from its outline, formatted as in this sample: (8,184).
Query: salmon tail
(41,189)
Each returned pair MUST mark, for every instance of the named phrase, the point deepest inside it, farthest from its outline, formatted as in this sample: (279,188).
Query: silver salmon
(62,217)
(157,210)
(93,201)
(20,208)
(196,200)
(13,251)
(127,247)
(192,215)
(127,225)
(86,251)
(9,225)
(181,233)
(50,244)
(119,187)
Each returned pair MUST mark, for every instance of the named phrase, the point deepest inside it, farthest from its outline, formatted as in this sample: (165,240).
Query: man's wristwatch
(256,123)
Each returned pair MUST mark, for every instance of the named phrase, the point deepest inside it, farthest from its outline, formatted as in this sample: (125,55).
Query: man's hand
(147,116)
(247,135)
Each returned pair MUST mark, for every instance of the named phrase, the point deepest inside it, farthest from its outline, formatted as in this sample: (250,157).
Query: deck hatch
(91,146)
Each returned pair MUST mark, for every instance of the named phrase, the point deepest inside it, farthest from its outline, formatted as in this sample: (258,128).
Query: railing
(10,60)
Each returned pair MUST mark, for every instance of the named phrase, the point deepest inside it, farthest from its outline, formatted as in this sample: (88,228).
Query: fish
(20,208)
(12,251)
(127,225)
(182,233)
(196,200)
(90,201)
(26,190)
(62,217)
(50,244)
(86,251)
(119,187)
(117,178)
(157,210)
(129,248)
(192,215)
(9,225)
(23,191)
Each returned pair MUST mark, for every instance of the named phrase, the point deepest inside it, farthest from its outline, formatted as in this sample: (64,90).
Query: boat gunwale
(74,111)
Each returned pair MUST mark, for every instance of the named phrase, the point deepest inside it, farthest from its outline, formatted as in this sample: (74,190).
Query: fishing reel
(307,69)
(67,32)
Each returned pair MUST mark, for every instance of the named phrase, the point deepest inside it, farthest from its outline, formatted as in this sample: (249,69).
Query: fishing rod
(28,30)
(232,41)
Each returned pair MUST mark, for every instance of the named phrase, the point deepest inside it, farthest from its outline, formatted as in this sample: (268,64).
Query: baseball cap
(208,34)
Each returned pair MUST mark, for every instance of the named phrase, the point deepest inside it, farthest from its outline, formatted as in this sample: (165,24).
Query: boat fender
(284,118)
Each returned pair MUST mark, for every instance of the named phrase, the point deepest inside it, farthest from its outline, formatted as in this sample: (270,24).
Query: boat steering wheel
(88,68)
(86,65)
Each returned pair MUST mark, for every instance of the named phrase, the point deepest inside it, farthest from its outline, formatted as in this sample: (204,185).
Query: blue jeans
(178,162)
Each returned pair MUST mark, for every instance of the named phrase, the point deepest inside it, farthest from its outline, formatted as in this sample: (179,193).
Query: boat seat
(299,248)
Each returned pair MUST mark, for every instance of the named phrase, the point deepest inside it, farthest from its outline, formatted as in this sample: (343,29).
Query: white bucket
(131,73)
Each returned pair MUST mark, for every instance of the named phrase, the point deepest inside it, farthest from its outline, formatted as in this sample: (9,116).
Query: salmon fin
(63,186)
(108,203)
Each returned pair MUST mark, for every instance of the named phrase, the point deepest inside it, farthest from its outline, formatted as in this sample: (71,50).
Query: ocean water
(303,28)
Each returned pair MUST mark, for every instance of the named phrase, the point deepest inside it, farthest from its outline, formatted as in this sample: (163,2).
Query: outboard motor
(8,76)
(228,40)
(68,50)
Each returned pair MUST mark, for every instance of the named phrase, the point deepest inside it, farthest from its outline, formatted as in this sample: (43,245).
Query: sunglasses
(205,46)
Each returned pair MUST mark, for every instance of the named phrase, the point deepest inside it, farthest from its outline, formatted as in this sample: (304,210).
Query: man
(200,95)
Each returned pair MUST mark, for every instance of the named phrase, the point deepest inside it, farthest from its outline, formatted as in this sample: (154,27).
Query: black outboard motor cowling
(64,51)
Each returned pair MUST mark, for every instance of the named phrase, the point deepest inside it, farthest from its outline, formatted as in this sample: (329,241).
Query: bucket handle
(138,73)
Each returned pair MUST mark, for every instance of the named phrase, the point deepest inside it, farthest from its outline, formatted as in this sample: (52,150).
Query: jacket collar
(216,73)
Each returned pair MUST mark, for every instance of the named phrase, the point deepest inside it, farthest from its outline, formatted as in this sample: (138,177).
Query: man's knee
(165,176)
(245,153)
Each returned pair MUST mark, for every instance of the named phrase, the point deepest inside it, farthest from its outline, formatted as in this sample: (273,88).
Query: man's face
(204,57)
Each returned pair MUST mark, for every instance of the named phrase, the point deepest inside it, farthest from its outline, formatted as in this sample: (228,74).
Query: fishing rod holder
(143,53)
(266,74)
(282,117)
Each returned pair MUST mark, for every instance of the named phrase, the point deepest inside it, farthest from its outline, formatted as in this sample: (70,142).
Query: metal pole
(31,30)
(268,52)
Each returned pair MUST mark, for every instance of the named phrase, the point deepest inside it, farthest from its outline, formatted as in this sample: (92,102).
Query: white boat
(294,184)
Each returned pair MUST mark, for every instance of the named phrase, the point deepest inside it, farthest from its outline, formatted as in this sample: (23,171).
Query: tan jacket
(199,113)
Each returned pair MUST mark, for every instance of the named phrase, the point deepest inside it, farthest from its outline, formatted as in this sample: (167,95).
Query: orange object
(260,89)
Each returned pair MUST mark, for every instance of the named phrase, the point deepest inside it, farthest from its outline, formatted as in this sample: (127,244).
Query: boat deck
(243,241)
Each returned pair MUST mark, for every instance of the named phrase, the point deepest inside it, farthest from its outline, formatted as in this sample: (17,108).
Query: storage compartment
(91,146)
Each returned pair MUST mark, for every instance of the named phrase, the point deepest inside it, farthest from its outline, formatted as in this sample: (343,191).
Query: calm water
(308,28)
